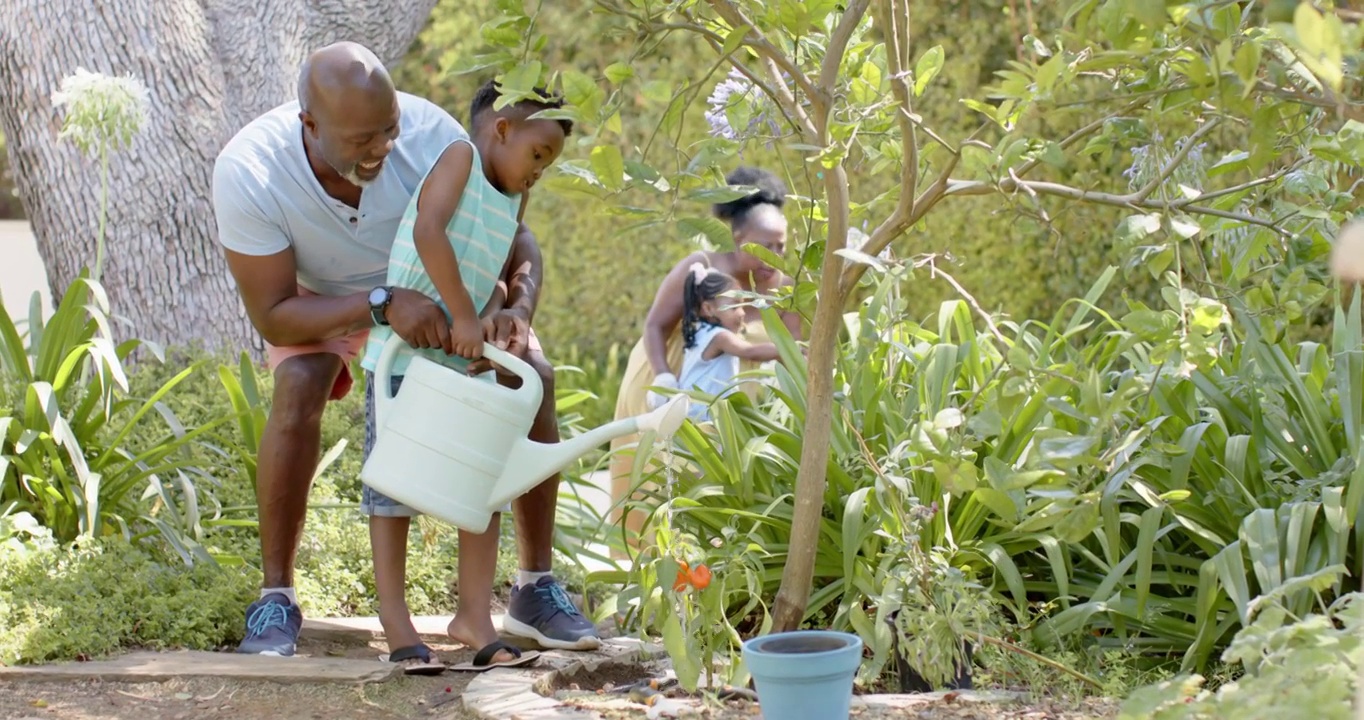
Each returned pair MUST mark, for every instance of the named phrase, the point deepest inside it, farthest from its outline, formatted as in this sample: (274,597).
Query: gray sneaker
(543,612)
(272,626)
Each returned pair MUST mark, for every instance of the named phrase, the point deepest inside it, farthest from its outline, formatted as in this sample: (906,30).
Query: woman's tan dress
(632,401)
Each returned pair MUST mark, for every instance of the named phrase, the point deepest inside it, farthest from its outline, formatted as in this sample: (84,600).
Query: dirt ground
(211,699)
(421,697)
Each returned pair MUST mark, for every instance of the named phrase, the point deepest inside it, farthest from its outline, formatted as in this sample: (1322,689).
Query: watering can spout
(532,463)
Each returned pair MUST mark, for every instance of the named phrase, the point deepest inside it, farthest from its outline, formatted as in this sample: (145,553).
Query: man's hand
(506,329)
(418,320)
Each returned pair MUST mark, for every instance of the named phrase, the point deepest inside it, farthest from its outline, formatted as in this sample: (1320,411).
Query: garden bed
(617,691)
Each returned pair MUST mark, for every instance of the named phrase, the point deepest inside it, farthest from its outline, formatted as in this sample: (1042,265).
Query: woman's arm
(666,313)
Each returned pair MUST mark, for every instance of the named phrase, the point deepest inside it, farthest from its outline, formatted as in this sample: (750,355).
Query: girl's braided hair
(702,284)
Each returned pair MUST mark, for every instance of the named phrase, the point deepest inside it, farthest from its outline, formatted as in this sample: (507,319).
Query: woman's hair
(702,284)
(771,191)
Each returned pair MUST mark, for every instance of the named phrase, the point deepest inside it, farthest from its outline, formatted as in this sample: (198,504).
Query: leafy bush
(77,450)
(101,596)
(1113,502)
(1293,665)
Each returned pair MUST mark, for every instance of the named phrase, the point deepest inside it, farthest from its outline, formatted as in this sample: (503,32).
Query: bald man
(308,198)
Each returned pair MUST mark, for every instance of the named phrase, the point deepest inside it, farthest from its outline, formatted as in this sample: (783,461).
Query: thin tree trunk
(211,66)
(793,597)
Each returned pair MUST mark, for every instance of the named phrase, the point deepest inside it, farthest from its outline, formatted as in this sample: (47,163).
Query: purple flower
(738,92)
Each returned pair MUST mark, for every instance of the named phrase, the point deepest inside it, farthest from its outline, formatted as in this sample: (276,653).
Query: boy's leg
(539,609)
(473,623)
(389,521)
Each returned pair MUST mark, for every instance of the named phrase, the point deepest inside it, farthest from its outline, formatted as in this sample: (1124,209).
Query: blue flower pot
(804,675)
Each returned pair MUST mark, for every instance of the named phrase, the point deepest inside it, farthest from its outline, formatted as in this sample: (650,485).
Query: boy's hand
(466,337)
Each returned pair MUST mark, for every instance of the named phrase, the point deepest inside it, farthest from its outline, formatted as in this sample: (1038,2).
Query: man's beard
(352,177)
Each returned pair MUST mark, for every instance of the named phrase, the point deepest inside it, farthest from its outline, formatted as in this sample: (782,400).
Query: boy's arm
(730,343)
(437,203)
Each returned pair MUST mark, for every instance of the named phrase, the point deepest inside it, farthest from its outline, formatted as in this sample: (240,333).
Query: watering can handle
(383,375)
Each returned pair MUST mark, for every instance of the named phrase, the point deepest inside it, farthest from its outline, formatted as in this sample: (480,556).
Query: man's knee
(302,385)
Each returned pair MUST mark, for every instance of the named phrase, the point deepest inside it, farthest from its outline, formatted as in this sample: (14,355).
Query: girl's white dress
(713,376)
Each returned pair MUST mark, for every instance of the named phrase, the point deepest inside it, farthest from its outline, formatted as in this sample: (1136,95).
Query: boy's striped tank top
(481,233)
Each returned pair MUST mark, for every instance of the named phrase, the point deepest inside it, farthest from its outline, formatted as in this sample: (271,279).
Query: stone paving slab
(162,666)
(502,694)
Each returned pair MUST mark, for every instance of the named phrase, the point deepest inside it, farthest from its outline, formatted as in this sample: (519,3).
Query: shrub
(100,596)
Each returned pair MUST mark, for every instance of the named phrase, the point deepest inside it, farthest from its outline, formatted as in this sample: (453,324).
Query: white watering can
(455,447)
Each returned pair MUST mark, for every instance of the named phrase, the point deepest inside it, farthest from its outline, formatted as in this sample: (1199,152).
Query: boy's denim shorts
(373,502)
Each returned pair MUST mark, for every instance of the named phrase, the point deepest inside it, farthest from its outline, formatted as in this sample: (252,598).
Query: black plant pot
(912,682)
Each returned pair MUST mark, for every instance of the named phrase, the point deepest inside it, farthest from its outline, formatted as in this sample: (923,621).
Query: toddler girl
(712,346)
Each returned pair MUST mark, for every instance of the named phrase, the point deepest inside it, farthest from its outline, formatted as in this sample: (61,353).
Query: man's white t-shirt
(266,198)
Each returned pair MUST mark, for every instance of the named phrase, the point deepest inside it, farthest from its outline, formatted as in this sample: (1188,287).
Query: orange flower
(683,575)
(700,577)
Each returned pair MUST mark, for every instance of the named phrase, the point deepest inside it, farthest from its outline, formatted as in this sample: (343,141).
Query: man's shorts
(373,502)
(347,347)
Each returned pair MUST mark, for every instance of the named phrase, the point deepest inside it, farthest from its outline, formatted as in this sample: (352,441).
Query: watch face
(377,296)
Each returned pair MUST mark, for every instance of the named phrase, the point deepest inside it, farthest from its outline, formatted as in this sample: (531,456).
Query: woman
(655,359)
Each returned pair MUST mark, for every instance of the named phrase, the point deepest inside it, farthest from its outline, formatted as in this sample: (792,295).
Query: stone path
(159,667)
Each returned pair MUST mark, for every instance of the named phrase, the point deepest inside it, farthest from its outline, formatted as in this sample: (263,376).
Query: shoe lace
(559,599)
(269,615)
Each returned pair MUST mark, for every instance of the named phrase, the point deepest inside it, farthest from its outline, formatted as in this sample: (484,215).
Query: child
(712,346)
(454,244)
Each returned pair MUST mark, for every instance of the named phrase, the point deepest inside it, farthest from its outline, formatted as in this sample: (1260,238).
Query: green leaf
(733,39)
(609,166)
(930,63)
(619,72)
(1151,13)
(713,229)
(518,83)
(580,90)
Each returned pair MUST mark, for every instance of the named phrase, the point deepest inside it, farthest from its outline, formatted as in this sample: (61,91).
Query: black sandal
(483,658)
(416,660)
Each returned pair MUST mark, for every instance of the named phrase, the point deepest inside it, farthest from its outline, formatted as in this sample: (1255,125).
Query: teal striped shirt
(481,233)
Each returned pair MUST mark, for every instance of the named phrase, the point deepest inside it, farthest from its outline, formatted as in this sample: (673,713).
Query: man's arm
(269,289)
(525,270)
(262,261)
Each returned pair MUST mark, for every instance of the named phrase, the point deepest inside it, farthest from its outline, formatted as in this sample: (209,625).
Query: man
(308,198)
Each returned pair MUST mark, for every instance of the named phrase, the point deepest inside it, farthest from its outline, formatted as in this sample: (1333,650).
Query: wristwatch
(379,298)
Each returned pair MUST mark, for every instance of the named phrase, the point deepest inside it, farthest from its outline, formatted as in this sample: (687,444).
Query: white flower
(103,112)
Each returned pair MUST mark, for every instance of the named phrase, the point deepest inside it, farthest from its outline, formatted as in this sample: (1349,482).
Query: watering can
(455,447)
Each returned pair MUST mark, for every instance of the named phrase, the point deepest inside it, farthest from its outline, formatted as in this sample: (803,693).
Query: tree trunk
(211,66)
(793,597)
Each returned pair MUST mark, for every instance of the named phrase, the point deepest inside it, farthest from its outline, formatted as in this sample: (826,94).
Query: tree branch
(887,231)
(760,43)
(1130,200)
(833,54)
(1082,133)
(1176,161)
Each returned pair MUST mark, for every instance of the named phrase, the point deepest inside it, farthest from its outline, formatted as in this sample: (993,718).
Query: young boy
(454,244)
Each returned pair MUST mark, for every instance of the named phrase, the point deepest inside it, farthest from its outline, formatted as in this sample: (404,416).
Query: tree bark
(793,597)
(211,66)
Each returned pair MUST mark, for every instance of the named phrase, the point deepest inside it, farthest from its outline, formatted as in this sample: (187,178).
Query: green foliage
(1022,266)
(100,596)
(1293,665)
(81,453)
(1109,500)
